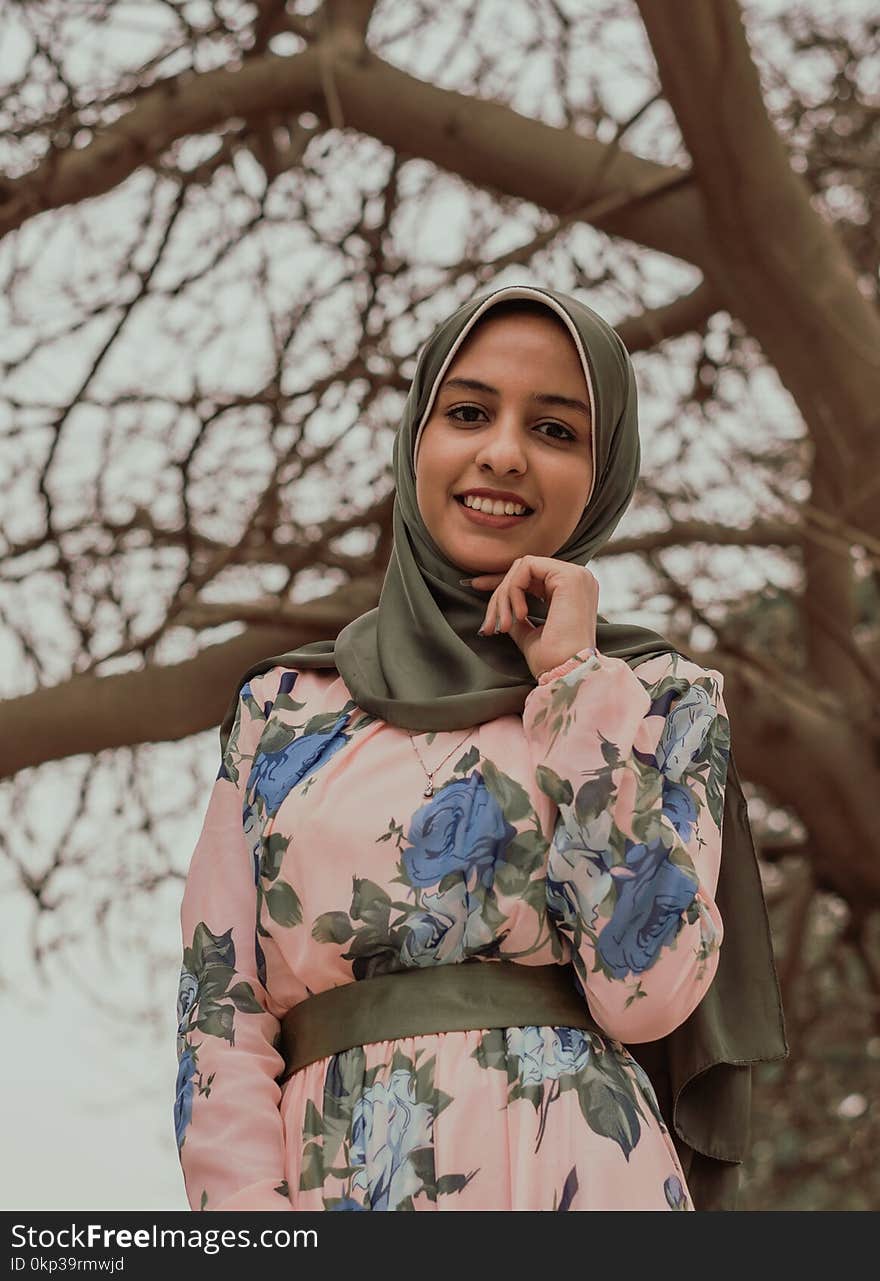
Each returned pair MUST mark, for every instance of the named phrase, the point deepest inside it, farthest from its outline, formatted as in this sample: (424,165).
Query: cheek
(435,471)
(570,487)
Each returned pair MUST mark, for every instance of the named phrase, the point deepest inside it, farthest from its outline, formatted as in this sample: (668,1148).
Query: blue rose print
(680,808)
(387,1176)
(361,1116)
(425,933)
(648,910)
(450,929)
(527,1045)
(347,1203)
(578,878)
(462,828)
(187,990)
(684,731)
(186,1070)
(274,774)
(561,904)
(675,1194)
(570,1052)
(187,995)
(540,1060)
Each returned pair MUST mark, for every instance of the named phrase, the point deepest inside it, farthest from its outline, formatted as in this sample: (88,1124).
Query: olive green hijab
(416,661)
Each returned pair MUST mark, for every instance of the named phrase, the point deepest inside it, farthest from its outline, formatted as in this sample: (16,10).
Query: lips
(488,521)
(494,495)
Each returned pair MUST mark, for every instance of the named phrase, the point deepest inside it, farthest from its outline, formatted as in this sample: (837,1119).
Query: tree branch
(681,316)
(161,703)
(485,142)
(784,271)
(683,533)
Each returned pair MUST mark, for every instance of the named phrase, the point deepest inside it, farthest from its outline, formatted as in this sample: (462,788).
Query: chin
(493,562)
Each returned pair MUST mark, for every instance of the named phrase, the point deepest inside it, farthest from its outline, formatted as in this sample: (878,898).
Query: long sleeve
(634,761)
(227,1119)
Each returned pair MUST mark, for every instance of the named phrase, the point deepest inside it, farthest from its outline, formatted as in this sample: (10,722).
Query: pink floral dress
(586,830)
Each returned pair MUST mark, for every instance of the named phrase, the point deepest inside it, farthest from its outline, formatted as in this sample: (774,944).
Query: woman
(457,861)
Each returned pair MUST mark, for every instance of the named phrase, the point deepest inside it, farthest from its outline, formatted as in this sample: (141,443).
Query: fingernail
(466,582)
(498,627)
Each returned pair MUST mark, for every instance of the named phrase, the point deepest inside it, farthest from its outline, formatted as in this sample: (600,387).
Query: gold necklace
(429,787)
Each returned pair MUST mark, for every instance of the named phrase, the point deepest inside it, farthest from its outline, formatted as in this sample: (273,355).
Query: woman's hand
(572,593)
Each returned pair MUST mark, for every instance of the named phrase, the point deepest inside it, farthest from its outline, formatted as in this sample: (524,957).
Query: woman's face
(521,426)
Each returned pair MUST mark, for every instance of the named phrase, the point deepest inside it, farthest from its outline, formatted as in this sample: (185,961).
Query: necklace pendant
(429,789)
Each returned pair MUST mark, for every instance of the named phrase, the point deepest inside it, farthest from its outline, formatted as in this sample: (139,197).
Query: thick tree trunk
(784,272)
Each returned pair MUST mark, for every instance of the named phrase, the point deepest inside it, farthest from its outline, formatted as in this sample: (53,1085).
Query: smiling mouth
(488,519)
(460,498)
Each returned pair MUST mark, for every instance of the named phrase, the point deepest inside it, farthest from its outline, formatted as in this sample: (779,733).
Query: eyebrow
(543,398)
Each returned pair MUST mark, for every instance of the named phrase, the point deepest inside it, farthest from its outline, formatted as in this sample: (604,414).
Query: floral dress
(587,829)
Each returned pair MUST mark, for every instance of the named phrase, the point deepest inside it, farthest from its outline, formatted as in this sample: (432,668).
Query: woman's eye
(463,409)
(569,434)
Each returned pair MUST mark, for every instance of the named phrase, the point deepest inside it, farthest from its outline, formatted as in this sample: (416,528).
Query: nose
(502,448)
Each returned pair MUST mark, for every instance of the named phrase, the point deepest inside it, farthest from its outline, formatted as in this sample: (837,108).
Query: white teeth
(494,507)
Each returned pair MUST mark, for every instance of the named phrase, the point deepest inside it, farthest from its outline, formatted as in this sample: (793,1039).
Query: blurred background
(227,228)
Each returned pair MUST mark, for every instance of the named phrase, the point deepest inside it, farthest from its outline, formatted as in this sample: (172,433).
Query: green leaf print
(526,850)
(442,1101)
(562,698)
(646,1087)
(370,904)
(321,723)
(274,849)
(659,689)
(332,927)
(491,1051)
(283,904)
(637,993)
(311,1121)
(210,949)
(285,701)
(215,980)
(218,1020)
(569,1190)
(467,762)
(342,1083)
(558,789)
(424,1081)
(608,1111)
(648,822)
(312,1172)
(275,737)
(366,943)
(210,963)
(448,1183)
(510,880)
(491,914)
(242,997)
(510,795)
(594,797)
(535,894)
(422,1161)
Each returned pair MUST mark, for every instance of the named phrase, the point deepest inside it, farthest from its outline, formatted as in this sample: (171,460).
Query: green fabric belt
(440,998)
